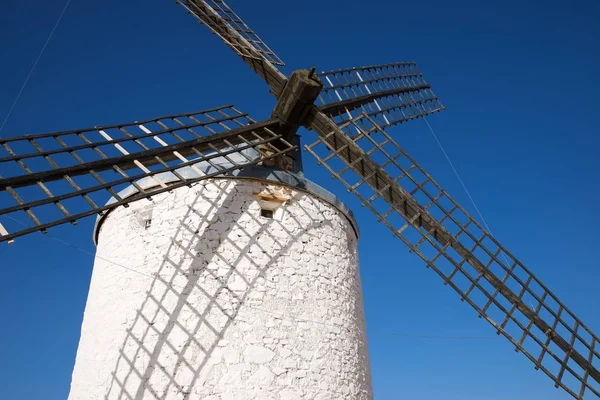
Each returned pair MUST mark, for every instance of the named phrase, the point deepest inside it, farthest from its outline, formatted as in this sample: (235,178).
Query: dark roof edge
(269,175)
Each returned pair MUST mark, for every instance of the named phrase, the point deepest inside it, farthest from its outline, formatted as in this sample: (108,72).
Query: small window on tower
(266,213)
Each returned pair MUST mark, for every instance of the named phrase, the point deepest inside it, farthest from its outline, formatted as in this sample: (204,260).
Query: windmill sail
(55,171)
(388,93)
(236,34)
(467,258)
(235,22)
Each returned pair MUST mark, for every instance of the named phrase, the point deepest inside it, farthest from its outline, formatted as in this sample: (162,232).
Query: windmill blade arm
(51,196)
(389,93)
(489,278)
(151,157)
(351,104)
(236,34)
(130,137)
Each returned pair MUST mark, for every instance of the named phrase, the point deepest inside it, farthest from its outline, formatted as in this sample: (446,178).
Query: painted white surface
(213,301)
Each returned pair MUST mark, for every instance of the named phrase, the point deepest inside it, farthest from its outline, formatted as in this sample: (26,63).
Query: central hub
(298,95)
(293,105)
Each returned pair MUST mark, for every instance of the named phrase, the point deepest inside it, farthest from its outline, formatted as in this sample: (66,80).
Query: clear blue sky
(520,80)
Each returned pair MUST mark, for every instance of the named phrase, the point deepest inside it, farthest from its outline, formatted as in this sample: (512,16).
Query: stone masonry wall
(196,295)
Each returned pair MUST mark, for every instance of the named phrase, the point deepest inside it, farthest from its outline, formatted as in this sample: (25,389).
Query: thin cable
(34,65)
(462,183)
(64,242)
(281,315)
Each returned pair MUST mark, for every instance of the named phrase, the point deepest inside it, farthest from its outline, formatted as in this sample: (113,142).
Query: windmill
(214,154)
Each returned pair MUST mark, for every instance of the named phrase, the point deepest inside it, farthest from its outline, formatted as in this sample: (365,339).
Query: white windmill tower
(239,268)
(242,276)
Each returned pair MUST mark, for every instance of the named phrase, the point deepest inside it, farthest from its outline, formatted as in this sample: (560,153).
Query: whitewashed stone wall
(210,300)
